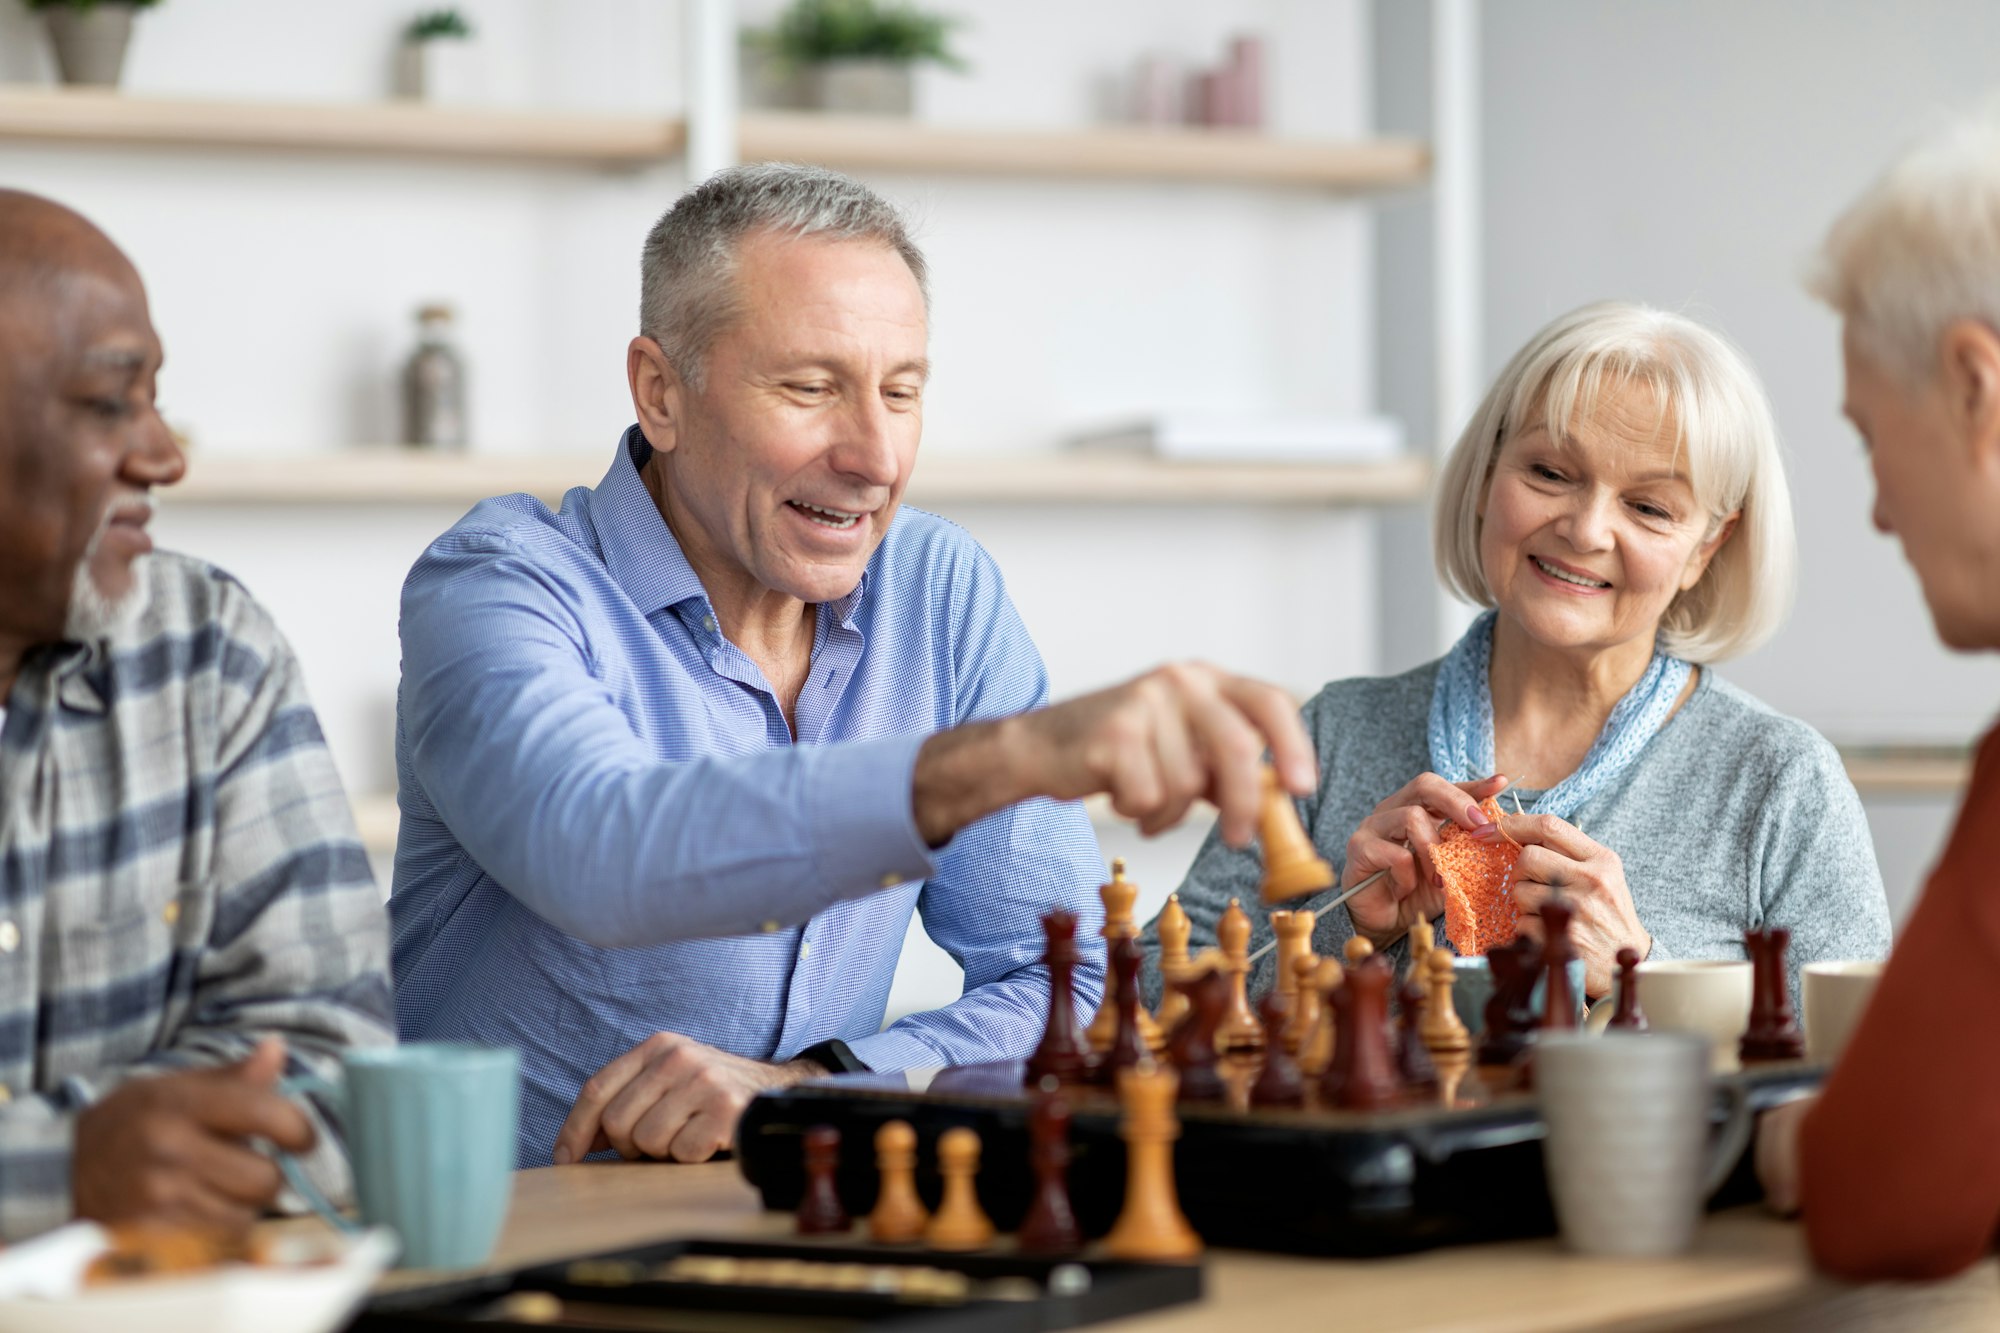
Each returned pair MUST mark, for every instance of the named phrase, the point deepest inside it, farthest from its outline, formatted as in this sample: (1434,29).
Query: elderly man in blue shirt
(677,761)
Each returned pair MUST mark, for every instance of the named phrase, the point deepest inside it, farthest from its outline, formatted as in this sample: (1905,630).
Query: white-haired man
(1896,1165)
(185,907)
(677,763)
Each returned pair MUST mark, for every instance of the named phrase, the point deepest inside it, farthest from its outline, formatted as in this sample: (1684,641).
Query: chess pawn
(1174,931)
(1240,1029)
(899,1214)
(1119,895)
(1304,1016)
(959,1223)
(1151,1225)
(1293,931)
(1316,1055)
(1292,868)
(1627,1016)
(1443,1033)
(1279,1082)
(1061,1052)
(820,1211)
(1423,941)
(1413,1062)
(1050,1226)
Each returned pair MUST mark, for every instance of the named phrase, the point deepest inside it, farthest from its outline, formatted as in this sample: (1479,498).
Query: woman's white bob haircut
(1920,249)
(1710,397)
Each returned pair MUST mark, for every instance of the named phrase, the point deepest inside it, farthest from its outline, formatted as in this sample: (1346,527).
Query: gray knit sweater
(1733,816)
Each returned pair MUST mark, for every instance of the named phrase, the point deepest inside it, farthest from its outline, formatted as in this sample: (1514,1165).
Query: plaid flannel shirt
(179,876)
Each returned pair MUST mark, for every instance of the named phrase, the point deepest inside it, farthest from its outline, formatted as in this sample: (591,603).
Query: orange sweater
(1899,1163)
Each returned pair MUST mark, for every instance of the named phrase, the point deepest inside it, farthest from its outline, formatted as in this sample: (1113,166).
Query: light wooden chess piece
(1174,931)
(1119,895)
(1305,1004)
(1317,1050)
(1443,1033)
(959,1223)
(1291,867)
(1240,1029)
(1151,1225)
(1422,941)
(899,1214)
(1294,935)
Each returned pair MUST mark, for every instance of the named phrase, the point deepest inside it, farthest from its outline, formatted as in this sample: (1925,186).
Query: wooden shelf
(1225,156)
(87,116)
(82,116)
(385,476)
(1907,770)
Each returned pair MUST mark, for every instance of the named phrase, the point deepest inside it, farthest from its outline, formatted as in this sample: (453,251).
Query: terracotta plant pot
(864,87)
(90,43)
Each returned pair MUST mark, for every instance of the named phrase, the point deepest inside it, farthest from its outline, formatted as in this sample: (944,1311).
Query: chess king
(678,761)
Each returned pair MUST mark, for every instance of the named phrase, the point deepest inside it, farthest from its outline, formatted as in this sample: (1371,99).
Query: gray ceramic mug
(430,1132)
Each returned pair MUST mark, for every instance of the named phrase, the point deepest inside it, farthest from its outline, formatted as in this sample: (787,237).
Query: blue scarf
(1461,731)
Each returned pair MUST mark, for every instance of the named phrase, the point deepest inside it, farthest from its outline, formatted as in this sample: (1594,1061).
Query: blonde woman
(1619,505)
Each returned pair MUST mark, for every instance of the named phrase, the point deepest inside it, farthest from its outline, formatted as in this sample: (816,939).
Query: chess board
(1307,1181)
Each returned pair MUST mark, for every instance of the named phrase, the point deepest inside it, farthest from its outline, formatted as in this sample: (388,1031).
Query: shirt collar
(641,551)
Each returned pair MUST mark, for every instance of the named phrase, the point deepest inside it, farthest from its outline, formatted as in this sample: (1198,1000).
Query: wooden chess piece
(1119,895)
(1292,868)
(1193,1048)
(899,1214)
(1304,1016)
(959,1223)
(1413,1061)
(1293,931)
(1558,1000)
(1367,1079)
(1061,1052)
(1050,1226)
(1773,1033)
(1279,1082)
(1423,941)
(1151,1225)
(820,1211)
(1628,1016)
(1128,1046)
(1509,1013)
(1443,1033)
(1240,1029)
(1451,1070)
(1174,931)
(1316,1055)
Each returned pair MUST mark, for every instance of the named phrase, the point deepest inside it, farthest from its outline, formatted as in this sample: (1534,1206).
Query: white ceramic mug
(1708,997)
(1835,996)
(1628,1153)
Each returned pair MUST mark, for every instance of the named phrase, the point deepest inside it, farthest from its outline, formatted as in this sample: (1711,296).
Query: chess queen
(1618,506)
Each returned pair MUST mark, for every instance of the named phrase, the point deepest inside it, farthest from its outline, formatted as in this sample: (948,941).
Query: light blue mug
(430,1132)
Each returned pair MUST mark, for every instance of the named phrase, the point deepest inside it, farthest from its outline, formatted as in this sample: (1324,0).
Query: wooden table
(1748,1270)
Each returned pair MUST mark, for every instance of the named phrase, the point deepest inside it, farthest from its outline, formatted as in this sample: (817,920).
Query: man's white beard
(94,616)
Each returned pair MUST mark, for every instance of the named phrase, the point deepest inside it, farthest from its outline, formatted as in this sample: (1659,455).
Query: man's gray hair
(687,293)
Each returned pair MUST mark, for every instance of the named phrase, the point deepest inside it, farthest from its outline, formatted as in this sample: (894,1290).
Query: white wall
(1692,154)
(283,286)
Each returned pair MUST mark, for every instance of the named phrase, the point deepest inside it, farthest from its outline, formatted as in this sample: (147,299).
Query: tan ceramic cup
(1708,997)
(1835,996)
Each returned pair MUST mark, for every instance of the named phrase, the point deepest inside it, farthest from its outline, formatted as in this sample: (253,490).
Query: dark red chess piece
(1050,1226)
(1628,1015)
(1128,1045)
(1192,1050)
(1509,1012)
(1558,1000)
(1338,1007)
(1369,1078)
(1061,1053)
(1773,1033)
(820,1211)
(1413,1059)
(1280,1082)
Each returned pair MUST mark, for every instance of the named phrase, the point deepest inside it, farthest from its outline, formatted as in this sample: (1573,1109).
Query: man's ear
(658,392)
(1969,370)
(1704,553)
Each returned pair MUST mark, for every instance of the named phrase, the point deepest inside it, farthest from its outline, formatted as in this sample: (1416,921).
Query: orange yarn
(1479,909)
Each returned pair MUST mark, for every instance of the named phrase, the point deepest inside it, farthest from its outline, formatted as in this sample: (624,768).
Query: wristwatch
(835,1057)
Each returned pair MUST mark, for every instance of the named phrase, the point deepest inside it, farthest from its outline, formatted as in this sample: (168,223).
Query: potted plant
(89,36)
(437,61)
(857,55)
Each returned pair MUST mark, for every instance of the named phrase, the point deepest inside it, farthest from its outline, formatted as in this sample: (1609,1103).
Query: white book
(1200,437)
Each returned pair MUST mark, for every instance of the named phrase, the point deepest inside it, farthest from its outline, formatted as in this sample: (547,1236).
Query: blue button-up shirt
(608,829)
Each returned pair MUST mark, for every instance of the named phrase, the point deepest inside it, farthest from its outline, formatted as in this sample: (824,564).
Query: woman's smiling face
(1588,535)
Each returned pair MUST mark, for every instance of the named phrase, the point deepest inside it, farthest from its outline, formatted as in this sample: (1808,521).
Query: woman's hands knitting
(1397,836)
(1557,858)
